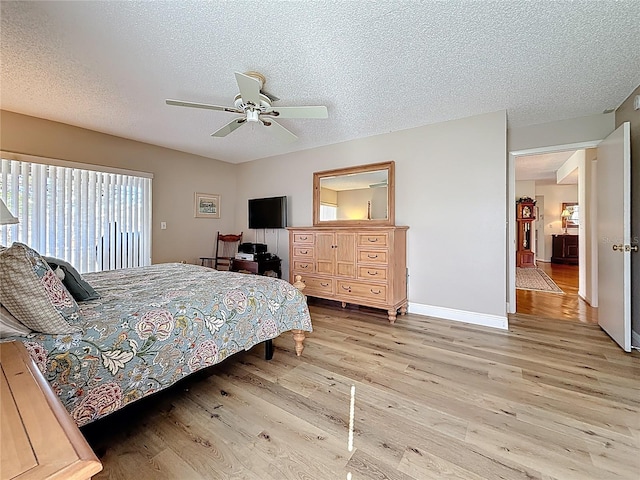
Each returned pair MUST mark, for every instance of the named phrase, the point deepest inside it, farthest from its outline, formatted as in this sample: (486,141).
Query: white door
(613,179)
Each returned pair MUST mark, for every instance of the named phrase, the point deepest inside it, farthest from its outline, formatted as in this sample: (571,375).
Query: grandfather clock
(525,257)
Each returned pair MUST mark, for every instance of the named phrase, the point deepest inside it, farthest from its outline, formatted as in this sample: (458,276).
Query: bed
(153,326)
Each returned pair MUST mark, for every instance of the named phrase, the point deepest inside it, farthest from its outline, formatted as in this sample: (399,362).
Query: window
(95,220)
(328,212)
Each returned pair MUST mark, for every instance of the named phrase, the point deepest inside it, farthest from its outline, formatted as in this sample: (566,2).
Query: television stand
(257,267)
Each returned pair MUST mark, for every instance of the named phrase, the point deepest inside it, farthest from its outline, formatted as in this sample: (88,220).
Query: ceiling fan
(254,106)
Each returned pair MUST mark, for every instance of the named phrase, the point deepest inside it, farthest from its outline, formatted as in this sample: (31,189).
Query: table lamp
(6,217)
(565,216)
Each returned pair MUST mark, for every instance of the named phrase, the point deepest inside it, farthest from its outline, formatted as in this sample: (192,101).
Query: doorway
(554,176)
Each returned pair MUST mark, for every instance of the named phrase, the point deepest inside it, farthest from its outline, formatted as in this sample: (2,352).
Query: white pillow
(9,325)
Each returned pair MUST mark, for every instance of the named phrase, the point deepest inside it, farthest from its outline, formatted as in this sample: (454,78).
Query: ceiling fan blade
(270,96)
(299,112)
(249,88)
(180,103)
(279,131)
(229,127)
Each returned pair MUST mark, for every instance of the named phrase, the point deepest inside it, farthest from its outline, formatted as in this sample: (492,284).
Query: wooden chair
(226,249)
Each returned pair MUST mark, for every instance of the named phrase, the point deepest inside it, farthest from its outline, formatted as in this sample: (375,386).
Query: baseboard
(588,300)
(635,338)
(484,319)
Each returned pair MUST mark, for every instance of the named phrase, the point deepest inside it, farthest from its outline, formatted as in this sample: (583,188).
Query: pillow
(33,294)
(9,325)
(77,286)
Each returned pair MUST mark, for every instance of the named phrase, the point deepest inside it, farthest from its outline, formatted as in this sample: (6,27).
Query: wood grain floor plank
(434,399)
(276,426)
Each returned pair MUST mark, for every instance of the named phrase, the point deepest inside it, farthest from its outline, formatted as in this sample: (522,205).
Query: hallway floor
(568,307)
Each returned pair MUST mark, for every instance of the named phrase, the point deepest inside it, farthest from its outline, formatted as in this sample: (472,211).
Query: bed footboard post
(298,337)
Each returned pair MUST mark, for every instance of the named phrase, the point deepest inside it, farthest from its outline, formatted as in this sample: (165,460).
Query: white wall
(525,188)
(554,197)
(450,191)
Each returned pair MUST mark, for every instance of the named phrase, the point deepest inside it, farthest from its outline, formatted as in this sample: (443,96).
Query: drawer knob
(372,239)
(303,238)
(376,292)
(348,289)
(324,284)
(372,273)
(372,256)
(304,252)
(304,266)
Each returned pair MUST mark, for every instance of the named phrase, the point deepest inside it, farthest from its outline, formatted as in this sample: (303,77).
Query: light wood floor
(552,305)
(433,400)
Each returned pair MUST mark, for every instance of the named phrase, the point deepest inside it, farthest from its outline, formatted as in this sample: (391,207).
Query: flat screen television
(268,212)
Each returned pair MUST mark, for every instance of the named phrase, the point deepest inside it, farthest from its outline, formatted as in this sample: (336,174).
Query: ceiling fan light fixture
(252,103)
(252,115)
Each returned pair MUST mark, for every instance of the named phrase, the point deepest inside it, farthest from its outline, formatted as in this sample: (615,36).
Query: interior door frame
(511,208)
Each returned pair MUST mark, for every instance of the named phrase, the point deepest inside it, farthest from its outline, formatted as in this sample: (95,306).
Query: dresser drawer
(303,238)
(318,285)
(368,291)
(377,239)
(372,256)
(303,266)
(302,252)
(372,273)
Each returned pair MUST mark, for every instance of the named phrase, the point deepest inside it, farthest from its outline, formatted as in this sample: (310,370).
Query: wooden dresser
(565,249)
(358,265)
(38,438)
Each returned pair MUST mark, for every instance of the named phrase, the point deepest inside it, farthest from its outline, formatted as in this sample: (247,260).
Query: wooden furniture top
(38,437)
(354,228)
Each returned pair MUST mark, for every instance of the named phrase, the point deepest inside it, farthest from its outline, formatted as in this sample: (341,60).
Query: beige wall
(176,177)
(554,197)
(626,113)
(450,191)
(563,132)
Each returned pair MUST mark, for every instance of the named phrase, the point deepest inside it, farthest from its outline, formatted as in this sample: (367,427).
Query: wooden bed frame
(298,335)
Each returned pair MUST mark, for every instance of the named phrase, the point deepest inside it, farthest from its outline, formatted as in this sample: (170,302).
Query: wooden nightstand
(38,438)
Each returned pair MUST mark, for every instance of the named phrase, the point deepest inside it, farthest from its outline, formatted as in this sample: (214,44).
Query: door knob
(625,248)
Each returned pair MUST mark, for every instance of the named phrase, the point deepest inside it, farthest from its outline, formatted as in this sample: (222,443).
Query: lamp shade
(565,213)
(5,215)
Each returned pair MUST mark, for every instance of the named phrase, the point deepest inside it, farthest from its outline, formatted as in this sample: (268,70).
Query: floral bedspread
(153,326)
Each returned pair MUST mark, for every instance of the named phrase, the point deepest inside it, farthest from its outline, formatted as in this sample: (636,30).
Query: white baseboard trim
(635,338)
(587,299)
(484,319)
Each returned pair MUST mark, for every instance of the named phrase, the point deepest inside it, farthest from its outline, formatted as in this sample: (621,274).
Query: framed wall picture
(207,205)
(572,220)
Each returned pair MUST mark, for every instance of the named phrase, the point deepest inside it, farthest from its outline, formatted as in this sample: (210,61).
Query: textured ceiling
(377,66)
(542,168)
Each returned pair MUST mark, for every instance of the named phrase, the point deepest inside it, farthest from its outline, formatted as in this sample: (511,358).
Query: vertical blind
(94,220)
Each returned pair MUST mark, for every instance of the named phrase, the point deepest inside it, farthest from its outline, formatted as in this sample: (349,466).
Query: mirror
(363,195)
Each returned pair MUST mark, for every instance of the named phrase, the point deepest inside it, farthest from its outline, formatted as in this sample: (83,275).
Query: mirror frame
(391,194)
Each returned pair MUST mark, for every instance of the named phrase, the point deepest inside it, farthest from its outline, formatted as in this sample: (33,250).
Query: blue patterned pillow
(33,293)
